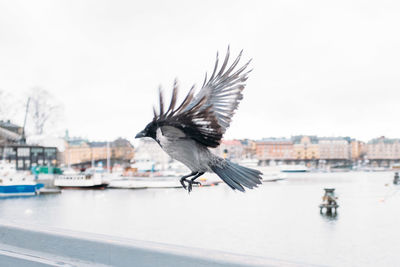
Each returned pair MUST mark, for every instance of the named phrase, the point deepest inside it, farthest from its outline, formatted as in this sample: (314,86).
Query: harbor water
(279,220)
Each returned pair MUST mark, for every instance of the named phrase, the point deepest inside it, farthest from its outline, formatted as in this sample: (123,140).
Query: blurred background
(78,80)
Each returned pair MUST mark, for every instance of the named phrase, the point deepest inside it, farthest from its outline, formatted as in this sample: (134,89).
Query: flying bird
(187,131)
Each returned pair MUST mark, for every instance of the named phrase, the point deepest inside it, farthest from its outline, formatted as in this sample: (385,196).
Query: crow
(185,132)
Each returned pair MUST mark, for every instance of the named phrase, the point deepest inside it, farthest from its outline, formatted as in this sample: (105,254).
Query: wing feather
(173,98)
(224,91)
(161,98)
(206,116)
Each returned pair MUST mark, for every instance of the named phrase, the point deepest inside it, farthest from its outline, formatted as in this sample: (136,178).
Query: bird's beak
(140,134)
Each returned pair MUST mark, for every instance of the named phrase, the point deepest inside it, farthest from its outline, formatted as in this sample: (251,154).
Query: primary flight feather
(186,131)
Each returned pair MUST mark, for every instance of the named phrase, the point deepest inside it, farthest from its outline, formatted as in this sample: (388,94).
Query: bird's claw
(190,184)
(183,183)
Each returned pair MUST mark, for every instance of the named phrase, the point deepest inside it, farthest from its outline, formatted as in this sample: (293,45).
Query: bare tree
(43,109)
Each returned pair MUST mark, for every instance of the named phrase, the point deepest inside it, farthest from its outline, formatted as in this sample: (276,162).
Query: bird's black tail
(237,176)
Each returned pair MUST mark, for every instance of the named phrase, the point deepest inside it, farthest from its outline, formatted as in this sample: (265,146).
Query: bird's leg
(192,181)
(183,179)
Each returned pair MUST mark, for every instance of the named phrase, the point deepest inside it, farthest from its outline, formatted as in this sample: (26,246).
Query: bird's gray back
(178,146)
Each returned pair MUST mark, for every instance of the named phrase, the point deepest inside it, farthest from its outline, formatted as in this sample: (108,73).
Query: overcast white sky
(328,68)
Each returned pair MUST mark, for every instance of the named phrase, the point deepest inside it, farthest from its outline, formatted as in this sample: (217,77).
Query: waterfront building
(150,152)
(48,141)
(306,147)
(236,149)
(26,156)
(81,152)
(384,150)
(249,148)
(77,150)
(119,149)
(358,150)
(334,148)
(274,149)
(8,125)
(230,149)
(9,133)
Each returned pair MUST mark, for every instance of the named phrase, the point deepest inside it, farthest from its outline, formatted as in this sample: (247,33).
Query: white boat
(16,183)
(90,179)
(379,169)
(154,182)
(144,182)
(293,168)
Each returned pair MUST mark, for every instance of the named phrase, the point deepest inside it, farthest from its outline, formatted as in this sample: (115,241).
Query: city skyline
(68,136)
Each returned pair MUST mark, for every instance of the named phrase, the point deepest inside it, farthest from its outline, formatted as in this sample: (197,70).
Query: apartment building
(337,148)
(383,148)
(80,151)
(306,147)
(274,149)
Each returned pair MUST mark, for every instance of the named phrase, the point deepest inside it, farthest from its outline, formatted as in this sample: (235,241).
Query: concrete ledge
(36,246)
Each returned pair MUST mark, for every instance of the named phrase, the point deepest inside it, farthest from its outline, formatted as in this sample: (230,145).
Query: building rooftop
(336,138)
(77,141)
(231,142)
(120,142)
(297,139)
(275,139)
(384,140)
(10,126)
(8,123)
(7,135)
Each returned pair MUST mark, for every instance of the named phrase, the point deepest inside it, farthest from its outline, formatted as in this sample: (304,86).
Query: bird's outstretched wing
(223,90)
(206,116)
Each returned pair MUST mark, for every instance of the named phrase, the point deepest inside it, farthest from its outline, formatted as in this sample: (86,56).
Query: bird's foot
(183,180)
(190,183)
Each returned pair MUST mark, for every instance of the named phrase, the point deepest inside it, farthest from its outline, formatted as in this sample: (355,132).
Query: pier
(21,245)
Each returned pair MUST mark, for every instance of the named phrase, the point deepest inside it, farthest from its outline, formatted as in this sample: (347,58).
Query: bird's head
(148,131)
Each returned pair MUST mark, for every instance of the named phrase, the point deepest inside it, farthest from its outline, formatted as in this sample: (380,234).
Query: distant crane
(23,137)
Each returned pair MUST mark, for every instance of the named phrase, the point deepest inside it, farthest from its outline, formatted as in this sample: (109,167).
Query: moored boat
(293,168)
(16,183)
(90,179)
(154,182)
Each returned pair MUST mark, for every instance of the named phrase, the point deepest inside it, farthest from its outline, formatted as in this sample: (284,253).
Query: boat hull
(290,171)
(18,190)
(97,186)
(155,183)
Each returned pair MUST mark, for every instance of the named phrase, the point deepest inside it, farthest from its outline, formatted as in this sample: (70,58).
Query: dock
(48,191)
(23,245)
